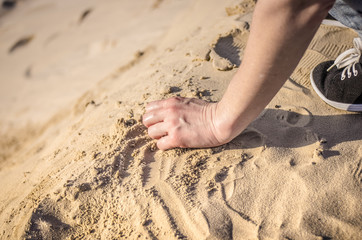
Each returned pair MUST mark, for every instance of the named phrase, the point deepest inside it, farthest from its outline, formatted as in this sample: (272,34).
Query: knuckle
(175,134)
(174,139)
(173,123)
(172,110)
(172,102)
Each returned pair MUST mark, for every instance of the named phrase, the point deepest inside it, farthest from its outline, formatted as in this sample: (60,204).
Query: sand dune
(81,166)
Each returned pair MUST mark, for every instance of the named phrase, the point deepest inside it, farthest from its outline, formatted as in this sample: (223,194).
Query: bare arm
(280,33)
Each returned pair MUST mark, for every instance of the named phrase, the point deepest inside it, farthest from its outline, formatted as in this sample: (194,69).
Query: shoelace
(349,59)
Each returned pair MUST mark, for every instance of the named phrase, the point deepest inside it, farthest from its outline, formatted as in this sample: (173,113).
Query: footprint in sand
(301,74)
(357,173)
(228,50)
(357,170)
(220,223)
(327,44)
(294,116)
(250,138)
(332,40)
(248,190)
(93,194)
(166,175)
(46,222)
(224,221)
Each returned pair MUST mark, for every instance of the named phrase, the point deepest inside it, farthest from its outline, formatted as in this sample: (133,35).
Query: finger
(155,105)
(153,117)
(158,130)
(165,143)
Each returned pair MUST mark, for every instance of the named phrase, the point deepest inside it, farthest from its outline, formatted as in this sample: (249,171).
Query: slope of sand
(76,162)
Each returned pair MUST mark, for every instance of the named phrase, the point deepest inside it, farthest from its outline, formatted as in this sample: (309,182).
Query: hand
(183,122)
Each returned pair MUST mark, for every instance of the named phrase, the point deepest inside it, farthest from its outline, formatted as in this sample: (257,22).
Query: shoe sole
(338,105)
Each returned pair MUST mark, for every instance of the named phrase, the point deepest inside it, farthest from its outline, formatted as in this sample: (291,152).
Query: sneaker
(339,83)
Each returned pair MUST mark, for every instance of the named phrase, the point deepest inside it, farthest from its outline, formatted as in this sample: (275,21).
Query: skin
(282,29)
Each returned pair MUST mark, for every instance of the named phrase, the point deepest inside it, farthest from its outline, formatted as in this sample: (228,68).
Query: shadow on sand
(297,127)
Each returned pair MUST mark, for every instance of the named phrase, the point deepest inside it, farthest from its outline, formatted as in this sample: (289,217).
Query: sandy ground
(76,162)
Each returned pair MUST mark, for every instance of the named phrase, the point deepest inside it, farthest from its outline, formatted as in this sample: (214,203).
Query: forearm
(280,33)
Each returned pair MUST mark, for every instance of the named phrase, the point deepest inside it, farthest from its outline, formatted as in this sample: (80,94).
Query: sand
(76,162)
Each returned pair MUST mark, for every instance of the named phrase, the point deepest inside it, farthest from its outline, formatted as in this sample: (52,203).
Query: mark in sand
(21,43)
(85,14)
(294,116)
(228,50)
(250,138)
(46,223)
(357,170)
(9,4)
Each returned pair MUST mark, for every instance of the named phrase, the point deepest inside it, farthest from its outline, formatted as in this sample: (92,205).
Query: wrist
(226,123)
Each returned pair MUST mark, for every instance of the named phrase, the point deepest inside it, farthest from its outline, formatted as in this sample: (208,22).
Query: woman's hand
(185,123)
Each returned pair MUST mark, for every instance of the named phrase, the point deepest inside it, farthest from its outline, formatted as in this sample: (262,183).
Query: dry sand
(76,162)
